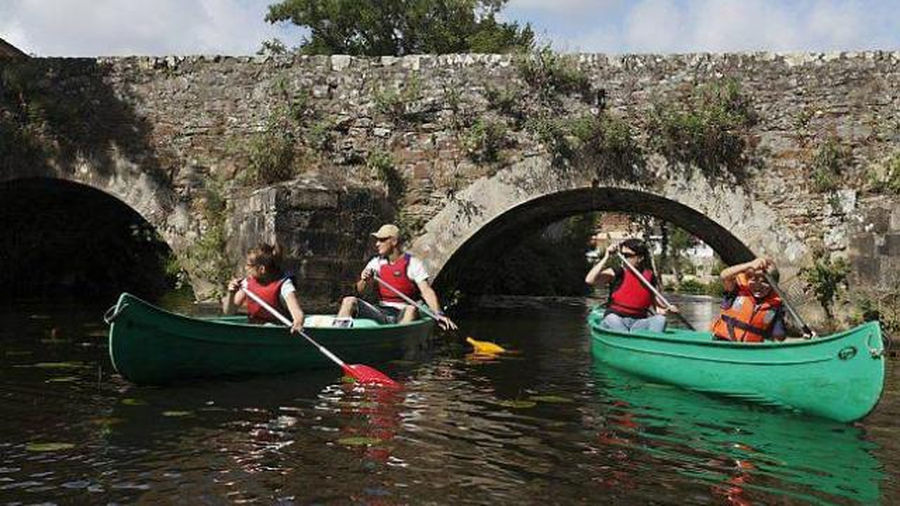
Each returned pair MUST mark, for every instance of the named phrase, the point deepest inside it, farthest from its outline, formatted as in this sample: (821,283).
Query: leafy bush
(551,74)
(826,278)
(271,157)
(602,141)
(708,128)
(382,165)
(829,163)
(484,140)
(400,104)
(888,179)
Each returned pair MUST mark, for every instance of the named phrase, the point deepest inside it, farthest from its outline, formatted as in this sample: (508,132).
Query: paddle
(361,373)
(803,326)
(480,346)
(653,289)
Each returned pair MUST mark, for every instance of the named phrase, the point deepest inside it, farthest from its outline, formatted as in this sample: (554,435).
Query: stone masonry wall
(205,113)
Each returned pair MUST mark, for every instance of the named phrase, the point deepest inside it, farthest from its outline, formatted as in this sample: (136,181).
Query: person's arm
(729,274)
(234,297)
(599,273)
(366,277)
(293,304)
(431,298)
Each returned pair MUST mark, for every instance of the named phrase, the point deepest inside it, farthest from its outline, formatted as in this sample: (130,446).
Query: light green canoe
(839,377)
(149,345)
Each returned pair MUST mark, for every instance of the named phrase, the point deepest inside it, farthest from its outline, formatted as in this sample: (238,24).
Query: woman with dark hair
(630,302)
(268,281)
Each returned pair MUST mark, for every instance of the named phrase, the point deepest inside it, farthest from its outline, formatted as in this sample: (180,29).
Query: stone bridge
(359,141)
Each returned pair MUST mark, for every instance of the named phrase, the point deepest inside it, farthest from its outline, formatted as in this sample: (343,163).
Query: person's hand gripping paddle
(483,347)
(363,374)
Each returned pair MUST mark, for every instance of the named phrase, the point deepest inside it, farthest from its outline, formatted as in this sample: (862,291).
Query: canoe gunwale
(150,345)
(839,376)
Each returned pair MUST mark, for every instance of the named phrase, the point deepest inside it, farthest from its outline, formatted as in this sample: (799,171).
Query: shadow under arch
(516,223)
(63,238)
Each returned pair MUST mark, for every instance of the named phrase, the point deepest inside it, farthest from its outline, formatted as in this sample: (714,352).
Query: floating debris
(517,404)
(551,399)
(48,447)
(177,413)
(63,379)
(359,441)
(134,402)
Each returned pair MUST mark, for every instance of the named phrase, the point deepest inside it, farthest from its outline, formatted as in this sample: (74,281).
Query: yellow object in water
(485,347)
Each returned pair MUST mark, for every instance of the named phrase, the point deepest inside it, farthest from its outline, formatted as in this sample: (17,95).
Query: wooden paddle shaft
(652,288)
(643,280)
(287,322)
(405,297)
(803,326)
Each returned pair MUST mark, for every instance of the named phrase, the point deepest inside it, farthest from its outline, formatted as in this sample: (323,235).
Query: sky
(237,27)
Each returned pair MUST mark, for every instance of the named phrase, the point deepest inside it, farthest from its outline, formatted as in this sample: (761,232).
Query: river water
(545,424)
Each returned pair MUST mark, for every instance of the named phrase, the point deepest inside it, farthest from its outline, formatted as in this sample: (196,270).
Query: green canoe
(839,377)
(151,346)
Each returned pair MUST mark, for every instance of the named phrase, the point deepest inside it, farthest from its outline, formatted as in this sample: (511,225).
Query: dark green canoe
(149,345)
(839,377)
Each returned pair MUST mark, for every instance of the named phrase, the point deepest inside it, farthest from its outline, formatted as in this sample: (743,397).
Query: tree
(401,27)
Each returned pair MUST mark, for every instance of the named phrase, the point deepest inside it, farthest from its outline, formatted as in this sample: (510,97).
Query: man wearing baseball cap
(404,273)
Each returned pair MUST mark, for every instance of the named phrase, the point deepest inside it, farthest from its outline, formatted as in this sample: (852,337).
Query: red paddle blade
(368,376)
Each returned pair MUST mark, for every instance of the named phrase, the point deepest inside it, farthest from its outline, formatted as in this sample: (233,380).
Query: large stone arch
(150,199)
(484,216)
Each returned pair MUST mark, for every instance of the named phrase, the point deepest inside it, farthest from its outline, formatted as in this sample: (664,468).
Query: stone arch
(531,194)
(136,189)
(66,237)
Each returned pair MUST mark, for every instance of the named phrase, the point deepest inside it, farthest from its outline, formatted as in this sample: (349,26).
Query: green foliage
(400,104)
(883,307)
(205,258)
(829,164)
(826,278)
(320,136)
(552,75)
(484,140)
(271,157)
(382,165)
(708,128)
(887,179)
(505,101)
(398,27)
(272,47)
(603,142)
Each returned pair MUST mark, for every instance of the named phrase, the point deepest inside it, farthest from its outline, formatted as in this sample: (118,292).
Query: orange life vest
(271,294)
(395,275)
(747,319)
(631,297)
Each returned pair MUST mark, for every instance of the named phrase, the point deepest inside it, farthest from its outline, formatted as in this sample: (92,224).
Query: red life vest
(270,293)
(747,320)
(395,275)
(631,297)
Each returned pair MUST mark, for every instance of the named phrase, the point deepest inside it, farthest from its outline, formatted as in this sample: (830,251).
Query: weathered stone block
(863,245)
(867,268)
(891,246)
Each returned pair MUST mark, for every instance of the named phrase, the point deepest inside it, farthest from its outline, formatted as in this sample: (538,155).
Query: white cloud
(125,27)
(653,24)
(743,25)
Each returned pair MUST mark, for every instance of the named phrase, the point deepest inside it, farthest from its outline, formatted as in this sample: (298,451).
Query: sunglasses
(630,255)
(381,239)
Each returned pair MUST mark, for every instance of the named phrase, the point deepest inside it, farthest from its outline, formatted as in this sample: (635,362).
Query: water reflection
(745,453)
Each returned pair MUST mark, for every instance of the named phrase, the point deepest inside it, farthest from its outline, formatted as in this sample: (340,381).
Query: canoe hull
(839,377)
(148,345)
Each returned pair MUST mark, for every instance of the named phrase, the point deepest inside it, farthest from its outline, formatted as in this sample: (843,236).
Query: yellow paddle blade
(485,347)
